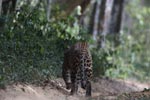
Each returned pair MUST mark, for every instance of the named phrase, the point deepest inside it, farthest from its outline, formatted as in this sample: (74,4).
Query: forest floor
(102,89)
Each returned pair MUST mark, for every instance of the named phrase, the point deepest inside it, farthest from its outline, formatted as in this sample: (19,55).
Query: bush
(128,60)
(131,57)
(32,48)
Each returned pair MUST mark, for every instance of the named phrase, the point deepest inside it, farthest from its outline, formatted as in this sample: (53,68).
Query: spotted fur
(77,68)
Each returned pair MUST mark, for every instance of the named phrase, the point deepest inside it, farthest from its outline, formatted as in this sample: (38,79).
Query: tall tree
(101,39)
(112,20)
(102,16)
(0,7)
(48,10)
(8,6)
(97,18)
(107,16)
(116,16)
(107,19)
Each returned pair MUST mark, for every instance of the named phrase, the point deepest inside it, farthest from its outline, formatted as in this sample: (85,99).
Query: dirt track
(101,88)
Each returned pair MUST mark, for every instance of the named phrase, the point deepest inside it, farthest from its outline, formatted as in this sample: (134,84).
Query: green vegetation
(31,49)
(131,58)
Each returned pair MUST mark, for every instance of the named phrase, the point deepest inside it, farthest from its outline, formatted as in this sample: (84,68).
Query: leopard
(77,68)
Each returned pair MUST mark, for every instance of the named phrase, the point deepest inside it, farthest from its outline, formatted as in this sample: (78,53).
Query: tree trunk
(48,10)
(91,23)
(0,7)
(101,40)
(107,17)
(97,18)
(102,16)
(116,16)
(8,6)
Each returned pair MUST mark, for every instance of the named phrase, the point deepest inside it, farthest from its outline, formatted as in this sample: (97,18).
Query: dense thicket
(31,48)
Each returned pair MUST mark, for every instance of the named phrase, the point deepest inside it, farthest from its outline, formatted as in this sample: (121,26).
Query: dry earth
(102,89)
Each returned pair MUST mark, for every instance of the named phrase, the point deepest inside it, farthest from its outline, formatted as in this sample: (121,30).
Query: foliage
(32,48)
(123,61)
(115,61)
(131,58)
(141,33)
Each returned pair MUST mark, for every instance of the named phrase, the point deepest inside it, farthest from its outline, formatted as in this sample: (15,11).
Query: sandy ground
(101,88)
